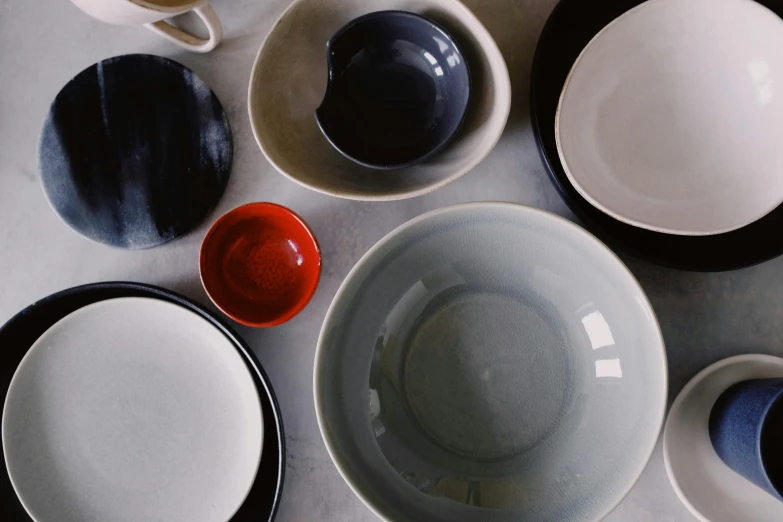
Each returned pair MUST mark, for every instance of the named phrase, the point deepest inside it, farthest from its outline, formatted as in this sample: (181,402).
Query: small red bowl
(260,264)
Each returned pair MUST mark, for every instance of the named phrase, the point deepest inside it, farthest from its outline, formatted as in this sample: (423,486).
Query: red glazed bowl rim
(289,313)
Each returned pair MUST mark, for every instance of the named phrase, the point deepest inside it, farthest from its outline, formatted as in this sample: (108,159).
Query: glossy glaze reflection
(473,388)
(398,89)
(260,264)
(451,414)
(503,355)
(287,132)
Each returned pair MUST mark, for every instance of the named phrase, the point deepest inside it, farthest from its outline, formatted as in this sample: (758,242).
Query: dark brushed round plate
(572,24)
(22,330)
(136,150)
(398,89)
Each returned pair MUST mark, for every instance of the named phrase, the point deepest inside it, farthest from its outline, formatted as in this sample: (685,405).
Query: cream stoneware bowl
(670,119)
(491,362)
(289,79)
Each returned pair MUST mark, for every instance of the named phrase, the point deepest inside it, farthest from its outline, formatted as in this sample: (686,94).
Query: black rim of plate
(572,24)
(22,330)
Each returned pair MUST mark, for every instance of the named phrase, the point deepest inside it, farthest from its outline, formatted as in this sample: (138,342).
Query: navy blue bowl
(398,89)
(746,430)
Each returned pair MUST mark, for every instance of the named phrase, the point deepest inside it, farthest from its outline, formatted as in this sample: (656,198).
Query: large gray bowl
(490,362)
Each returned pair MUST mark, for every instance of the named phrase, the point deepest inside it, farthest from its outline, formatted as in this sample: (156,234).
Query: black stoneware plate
(572,24)
(21,331)
(398,89)
(136,150)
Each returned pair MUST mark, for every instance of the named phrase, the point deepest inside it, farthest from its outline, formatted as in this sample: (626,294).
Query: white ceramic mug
(152,14)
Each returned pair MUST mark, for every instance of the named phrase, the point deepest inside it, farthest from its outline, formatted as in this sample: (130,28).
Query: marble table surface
(704,317)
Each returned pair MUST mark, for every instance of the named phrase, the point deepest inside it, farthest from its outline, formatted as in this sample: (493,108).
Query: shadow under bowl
(260,264)
(398,89)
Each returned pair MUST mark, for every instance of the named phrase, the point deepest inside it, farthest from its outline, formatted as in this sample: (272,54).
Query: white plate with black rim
(132,409)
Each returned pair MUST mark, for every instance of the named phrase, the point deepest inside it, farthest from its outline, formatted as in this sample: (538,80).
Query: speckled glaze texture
(260,263)
(398,89)
(135,151)
(490,362)
(746,430)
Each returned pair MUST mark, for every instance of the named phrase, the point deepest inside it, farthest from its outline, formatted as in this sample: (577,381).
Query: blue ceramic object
(398,89)
(136,150)
(746,430)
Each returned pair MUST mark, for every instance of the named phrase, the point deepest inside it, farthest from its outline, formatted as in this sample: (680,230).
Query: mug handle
(187,40)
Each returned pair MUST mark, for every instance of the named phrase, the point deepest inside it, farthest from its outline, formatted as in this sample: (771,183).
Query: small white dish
(670,119)
(288,82)
(492,362)
(711,490)
(132,409)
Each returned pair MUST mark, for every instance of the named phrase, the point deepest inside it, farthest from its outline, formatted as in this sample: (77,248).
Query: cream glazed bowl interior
(493,362)
(289,79)
(670,119)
